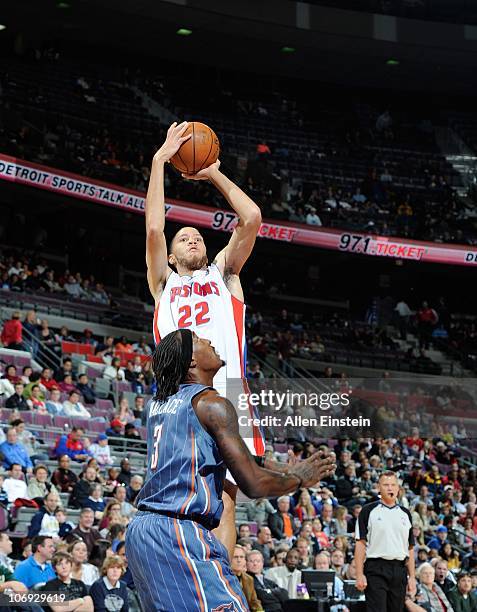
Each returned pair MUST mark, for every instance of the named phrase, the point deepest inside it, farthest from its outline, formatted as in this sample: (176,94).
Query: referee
(384,538)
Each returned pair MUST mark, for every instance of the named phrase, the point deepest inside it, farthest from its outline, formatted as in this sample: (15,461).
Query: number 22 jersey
(203,303)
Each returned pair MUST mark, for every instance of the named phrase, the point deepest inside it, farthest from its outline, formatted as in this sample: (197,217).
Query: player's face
(188,249)
(205,355)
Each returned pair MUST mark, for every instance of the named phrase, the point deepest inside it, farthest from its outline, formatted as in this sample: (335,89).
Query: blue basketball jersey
(185,471)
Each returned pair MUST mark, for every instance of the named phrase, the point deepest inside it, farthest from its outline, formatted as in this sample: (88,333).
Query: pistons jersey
(203,304)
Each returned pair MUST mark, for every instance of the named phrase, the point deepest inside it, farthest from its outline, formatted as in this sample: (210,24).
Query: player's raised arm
(218,416)
(233,257)
(156,248)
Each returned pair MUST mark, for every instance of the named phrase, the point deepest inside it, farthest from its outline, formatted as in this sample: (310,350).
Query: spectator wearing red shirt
(11,374)
(47,379)
(72,445)
(12,333)
(124,346)
(427,319)
(414,440)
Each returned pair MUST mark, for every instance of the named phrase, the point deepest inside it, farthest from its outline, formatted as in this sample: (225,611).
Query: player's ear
(172,259)
(193,363)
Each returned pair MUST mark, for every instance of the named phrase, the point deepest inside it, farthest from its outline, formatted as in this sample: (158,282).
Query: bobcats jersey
(185,471)
(203,304)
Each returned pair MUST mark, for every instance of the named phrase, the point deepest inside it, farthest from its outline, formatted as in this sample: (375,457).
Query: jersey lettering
(186,291)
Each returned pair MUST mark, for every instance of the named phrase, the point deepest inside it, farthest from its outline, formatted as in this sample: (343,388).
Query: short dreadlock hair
(171,362)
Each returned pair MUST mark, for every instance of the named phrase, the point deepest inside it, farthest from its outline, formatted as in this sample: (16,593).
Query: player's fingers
(181,128)
(171,127)
(185,138)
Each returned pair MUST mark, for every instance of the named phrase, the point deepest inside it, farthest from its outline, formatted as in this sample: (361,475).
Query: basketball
(200,151)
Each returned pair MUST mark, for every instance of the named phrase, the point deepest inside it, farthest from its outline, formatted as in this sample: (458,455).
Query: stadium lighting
(288,49)
(392,62)
(184,32)
(63,5)
(2,27)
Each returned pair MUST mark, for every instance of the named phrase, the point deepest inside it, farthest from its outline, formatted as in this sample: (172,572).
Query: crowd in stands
(359,167)
(314,529)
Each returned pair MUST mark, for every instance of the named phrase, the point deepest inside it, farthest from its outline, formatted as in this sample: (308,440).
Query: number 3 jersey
(185,471)
(203,304)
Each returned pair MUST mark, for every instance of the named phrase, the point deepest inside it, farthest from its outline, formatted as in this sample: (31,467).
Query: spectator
(462,598)
(258,510)
(12,333)
(110,588)
(66,368)
(11,374)
(81,489)
(442,576)
(106,349)
(82,570)
(17,401)
(303,547)
(304,508)
(114,371)
(15,453)
(312,218)
(131,433)
(101,451)
(85,389)
(30,325)
(429,594)
(15,486)
(47,379)
(71,445)
(95,501)
(239,566)
(281,523)
(287,576)
(6,547)
(75,591)
(54,405)
(66,526)
(264,545)
(38,485)
(135,486)
(115,430)
(139,409)
(268,592)
(37,569)
(127,509)
(88,338)
(67,385)
(64,478)
(125,414)
(26,375)
(125,474)
(85,531)
(44,522)
(439,539)
(427,319)
(72,407)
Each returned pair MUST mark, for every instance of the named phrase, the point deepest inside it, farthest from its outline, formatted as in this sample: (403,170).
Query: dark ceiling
(147,29)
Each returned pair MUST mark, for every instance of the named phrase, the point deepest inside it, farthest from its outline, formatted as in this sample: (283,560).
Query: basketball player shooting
(207,299)
(176,561)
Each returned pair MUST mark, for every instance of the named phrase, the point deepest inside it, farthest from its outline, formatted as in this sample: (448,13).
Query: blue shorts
(179,566)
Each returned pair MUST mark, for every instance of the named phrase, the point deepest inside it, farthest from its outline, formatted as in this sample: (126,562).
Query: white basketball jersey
(203,304)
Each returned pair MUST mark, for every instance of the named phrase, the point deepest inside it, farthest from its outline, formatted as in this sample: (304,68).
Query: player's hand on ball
(205,174)
(361,583)
(174,140)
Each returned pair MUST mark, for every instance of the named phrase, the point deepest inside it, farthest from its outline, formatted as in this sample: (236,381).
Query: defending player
(193,435)
(205,298)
